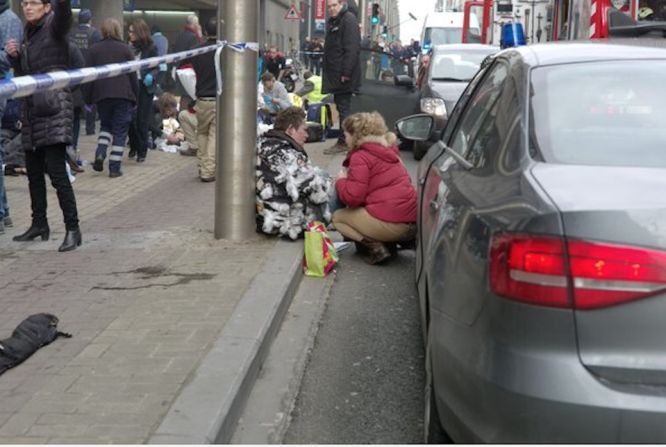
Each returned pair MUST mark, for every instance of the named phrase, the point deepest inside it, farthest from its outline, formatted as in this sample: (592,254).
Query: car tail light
(541,270)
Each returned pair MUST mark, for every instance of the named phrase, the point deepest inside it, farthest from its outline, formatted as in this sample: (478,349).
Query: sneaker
(337,148)
(8,222)
(98,164)
(115,174)
(207,179)
(189,152)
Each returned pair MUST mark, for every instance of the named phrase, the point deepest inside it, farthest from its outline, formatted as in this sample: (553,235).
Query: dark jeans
(76,129)
(315,66)
(51,160)
(90,120)
(343,104)
(4,204)
(115,115)
(138,132)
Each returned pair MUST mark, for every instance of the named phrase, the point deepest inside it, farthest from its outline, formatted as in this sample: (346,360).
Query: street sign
(320,10)
(292,14)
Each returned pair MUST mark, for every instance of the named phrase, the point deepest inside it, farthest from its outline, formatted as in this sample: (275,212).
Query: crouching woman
(290,191)
(377,189)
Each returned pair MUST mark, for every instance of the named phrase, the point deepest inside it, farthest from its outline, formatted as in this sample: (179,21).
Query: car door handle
(434,205)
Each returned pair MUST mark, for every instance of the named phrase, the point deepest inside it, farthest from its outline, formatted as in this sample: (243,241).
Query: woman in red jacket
(376,187)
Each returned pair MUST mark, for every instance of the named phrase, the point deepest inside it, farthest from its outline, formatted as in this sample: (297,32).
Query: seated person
(274,97)
(377,189)
(290,191)
(311,89)
(171,134)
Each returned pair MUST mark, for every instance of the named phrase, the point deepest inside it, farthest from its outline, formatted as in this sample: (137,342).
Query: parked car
(450,69)
(541,251)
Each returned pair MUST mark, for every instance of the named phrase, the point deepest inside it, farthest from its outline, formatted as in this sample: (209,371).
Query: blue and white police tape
(27,85)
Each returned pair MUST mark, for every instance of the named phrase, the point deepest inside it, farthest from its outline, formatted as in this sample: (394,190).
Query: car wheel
(433,431)
(420,148)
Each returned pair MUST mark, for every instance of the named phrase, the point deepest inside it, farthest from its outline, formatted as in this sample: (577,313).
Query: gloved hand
(148,80)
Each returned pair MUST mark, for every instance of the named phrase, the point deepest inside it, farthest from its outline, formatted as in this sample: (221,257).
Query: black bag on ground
(315,132)
(34,332)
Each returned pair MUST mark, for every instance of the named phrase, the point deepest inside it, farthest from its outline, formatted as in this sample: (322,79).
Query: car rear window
(600,113)
(457,66)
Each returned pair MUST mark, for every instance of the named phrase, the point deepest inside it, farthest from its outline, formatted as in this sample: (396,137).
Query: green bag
(320,255)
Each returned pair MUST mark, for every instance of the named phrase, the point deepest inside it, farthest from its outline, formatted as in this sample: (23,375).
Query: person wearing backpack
(83,36)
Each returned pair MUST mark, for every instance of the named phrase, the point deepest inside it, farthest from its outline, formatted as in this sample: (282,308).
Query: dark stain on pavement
(158,271)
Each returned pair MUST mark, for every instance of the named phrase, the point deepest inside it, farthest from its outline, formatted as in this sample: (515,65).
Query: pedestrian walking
(342,69)
(83,36)
(47,115)
(115,97)
(10,28)
(377,189)
(206,92)
(144,48)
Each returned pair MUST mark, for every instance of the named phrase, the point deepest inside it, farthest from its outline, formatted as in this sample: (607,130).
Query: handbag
(320,254)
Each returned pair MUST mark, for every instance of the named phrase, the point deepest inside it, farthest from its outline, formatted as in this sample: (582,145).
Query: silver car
(541,259)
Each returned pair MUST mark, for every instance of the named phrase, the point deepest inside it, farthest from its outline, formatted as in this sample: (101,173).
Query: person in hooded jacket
(377,189)
(341,64)
(47,115)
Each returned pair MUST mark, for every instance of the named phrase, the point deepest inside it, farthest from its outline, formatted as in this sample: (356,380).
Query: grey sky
(412,29)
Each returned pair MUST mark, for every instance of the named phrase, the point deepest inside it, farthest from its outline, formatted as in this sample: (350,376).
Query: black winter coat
(47,116)
(342,50)
(125,86)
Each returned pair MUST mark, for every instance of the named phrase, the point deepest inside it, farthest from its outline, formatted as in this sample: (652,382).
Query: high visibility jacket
(316,95)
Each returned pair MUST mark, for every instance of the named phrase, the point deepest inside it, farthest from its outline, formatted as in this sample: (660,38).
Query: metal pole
(237,123)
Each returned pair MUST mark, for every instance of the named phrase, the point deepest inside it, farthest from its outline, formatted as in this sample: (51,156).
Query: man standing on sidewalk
(83,37)
(10,28)
(206,92)
(342,70)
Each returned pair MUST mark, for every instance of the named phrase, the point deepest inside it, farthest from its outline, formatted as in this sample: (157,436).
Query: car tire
(432,427)
(420,148)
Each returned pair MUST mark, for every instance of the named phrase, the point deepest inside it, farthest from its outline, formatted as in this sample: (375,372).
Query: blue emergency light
(512,35)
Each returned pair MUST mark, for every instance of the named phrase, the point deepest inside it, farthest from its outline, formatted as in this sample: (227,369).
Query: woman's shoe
(131,154)
(72,240)
(33,232)
(376,253)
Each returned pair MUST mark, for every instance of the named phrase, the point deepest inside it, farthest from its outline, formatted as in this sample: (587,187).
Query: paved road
(365,377)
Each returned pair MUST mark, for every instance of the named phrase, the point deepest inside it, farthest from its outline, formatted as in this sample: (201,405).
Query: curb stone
(208,407)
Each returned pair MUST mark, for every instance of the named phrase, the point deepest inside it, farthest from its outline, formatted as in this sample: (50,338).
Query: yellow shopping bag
(320,255)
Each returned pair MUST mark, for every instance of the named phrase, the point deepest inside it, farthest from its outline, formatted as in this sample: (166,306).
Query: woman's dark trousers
(50,160)
(138,134)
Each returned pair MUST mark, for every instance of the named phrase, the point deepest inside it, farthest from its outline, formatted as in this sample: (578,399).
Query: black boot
(33,232)
(72,240)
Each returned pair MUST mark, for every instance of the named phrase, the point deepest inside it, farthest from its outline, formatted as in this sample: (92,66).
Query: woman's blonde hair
(110,29)
(367,126)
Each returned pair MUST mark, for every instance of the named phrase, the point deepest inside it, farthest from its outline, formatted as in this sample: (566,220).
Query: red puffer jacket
(377,180)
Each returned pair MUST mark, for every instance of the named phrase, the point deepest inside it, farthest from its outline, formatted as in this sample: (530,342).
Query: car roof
(552,53)
(460,47)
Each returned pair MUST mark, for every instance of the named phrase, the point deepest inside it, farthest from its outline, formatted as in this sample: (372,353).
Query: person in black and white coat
(291,191)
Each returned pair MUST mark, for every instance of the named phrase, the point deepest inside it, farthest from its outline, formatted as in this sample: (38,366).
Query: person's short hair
(192,19)
(290,117)
(166,102)
(307,75)
(211,27)
(268,76)
(363,125)
(110,29)
(84,15)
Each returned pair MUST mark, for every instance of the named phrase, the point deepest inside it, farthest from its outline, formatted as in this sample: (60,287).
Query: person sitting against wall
(274,97)
(291,191)
(377,189)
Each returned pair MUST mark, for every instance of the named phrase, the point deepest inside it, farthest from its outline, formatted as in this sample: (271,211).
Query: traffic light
(374,19)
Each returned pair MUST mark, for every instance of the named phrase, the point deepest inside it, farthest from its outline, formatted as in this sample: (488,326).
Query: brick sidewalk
(145,297)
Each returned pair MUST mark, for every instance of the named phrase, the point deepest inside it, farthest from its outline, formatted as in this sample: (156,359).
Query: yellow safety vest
(316,95)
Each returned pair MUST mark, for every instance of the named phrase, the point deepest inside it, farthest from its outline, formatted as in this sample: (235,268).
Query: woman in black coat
(142,42)
(47,115)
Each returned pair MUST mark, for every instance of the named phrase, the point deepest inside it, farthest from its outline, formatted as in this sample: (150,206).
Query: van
(446,27)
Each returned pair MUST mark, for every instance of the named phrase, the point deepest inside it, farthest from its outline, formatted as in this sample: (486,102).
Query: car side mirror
(404,81)
(415,127)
